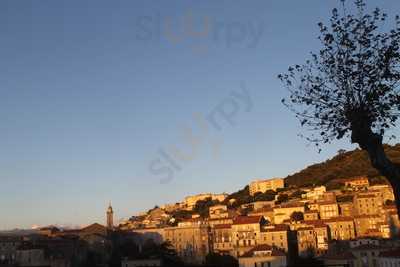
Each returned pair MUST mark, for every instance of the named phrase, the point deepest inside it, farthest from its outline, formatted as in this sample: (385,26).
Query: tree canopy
(352,83)
(350,88)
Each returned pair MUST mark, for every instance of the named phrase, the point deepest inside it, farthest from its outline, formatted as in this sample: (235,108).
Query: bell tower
(110,217)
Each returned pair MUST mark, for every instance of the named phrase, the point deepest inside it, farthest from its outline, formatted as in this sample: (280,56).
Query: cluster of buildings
(356,225)
(54,247)
(307,224)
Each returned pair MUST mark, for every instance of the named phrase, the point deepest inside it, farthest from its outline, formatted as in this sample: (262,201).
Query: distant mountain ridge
(343,165)
(17,232)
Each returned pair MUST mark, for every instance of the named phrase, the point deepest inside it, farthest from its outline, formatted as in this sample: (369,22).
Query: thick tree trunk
(372,144)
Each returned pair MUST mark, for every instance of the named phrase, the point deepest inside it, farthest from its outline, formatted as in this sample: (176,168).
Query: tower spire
(110,216)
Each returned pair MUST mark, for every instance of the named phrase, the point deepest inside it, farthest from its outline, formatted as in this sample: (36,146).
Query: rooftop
(222,226)
(247,220)
(263,248)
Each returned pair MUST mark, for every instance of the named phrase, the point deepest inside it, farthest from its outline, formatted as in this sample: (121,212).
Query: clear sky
(97,99)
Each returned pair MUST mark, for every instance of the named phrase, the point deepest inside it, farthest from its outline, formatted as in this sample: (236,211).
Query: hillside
(343,165)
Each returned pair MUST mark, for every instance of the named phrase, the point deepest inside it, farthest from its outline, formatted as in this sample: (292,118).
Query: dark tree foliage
(241,197)
(266,196)
(282,198)
(180,215)
(389,202)
(214,259)
(297,216)
(378,180)
(202,206)
(350,164)
(297,194)
(164,251)
(306,262)
(334,186)
(350,88)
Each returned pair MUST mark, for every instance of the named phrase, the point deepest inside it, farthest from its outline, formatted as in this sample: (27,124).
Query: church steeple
(110,217)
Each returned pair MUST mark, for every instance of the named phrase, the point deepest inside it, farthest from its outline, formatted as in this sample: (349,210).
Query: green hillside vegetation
(343,165)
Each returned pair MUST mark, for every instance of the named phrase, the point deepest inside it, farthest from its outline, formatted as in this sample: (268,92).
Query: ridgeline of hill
(343,165)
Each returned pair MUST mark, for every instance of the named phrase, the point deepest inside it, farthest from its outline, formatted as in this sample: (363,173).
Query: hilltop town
(348,217)
(300,221)
(352,220)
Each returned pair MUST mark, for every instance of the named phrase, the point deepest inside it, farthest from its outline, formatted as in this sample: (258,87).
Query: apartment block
(192,242)
(245,233)
(265,185)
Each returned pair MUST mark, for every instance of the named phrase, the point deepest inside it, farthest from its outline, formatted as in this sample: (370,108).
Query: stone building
(328,209)
(191,241)
(8,249)
(306,241)
(265,185)
(222,239)
(341,228)
(276,236)
(284,211)
(263,255)
(245,233)
(365,223)
(367,203)
(346,208)
(218,212)
(311,215)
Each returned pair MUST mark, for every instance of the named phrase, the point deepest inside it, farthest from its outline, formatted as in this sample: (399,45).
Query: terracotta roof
(222,226)
(91,226)
(260,248)
(278,228)
(220,219)
(247,219)
(372,232)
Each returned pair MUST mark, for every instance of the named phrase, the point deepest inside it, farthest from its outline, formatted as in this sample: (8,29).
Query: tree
(334,186)
(350,88)
(297,216)
(377,180)
(282,198)
(202,206)
(389,202)
(241,197)
(268,195)
(164,251)
(297,194)
(214,259)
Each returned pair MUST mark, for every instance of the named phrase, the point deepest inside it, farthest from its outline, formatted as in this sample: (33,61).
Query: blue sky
(91,92)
